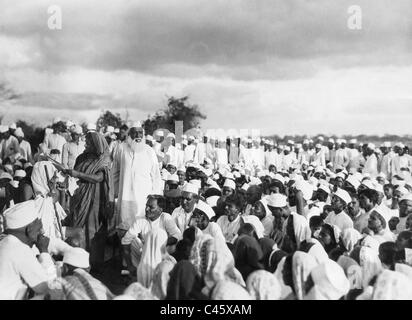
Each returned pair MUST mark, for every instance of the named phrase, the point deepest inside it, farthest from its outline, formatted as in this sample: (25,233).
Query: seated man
(132,241)
(20,269)
(76,283)
(201,219)
(188,202)
(231,221)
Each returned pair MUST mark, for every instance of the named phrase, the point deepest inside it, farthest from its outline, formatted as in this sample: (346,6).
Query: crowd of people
(214,218)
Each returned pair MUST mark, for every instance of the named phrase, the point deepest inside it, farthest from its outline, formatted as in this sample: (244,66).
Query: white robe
(371,166)
(189,153)
(136,175)
(221,157)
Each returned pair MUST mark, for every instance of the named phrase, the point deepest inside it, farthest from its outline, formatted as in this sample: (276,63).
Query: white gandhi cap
(206,209)
(191,188)
(344,195)
(230,184)
(77,257)
(277,200)
(21,215)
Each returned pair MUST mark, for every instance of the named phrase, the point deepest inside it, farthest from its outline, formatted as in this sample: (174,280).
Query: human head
(199,219)
(376,222)
(277,204)
(73,259)
(171,168)
(202,215)
(368,199)
(353,206)
(253,194)
(247,229)
(259,210)
(136,134)
(189,201)
(22,221)
(95,143)
(315,225)
(340,200)
(327,236)
(387,253)
(233,206)
(123,132)
(321,195)
(155,205)
(181,173)
(408,223)
(388,190)
(229,187)
(403,240)
(405,206)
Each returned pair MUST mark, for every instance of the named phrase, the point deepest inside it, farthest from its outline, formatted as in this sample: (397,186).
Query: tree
(109,119)
(178,109)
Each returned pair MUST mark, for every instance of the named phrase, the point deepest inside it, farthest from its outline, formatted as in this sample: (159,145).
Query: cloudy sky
(280,66)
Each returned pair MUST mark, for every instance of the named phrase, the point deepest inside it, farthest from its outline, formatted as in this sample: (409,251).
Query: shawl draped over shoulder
(93,203)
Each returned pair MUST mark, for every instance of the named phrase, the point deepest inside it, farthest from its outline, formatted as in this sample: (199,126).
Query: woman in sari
(297,231)
(228,290)
(296,271)
(213,262)
(392,285)
(92,203)
(328,282)
(185,283)
(263,285)
(153,251)
(247,251)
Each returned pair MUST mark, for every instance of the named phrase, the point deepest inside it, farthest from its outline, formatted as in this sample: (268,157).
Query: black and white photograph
(205,151)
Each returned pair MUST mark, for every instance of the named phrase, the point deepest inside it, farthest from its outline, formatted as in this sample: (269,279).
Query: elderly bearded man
(136,175)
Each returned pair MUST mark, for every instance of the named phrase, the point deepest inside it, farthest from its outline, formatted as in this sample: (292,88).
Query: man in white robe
(386,163)
(171,152)
(245,154)
(200,152)
(9,143)
(341,156)
(353,154)
(401,160)
(318,158)
(25,148)
(371,164)
(189,151)
(136,174)
(289,158)
(221,154)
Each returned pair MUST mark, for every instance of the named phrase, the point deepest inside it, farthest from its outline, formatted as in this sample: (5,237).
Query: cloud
(277,66)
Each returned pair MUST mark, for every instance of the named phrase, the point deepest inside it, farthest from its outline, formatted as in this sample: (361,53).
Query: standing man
(318,157)
(386,163)
(9,143)
(331,152)
(25,148)
(189,151)
(55,141)
(401,160)
(136,174)
(341,156)
(371,164)
(71,150)
(354,154)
